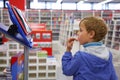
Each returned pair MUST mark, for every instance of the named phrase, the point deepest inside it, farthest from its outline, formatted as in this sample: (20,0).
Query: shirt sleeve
(70,64)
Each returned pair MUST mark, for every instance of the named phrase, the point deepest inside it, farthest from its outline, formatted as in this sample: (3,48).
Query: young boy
(94,62)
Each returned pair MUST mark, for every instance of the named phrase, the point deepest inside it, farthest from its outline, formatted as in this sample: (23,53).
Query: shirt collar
(92,44)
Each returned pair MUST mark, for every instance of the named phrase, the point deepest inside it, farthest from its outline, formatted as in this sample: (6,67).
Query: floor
(58,54)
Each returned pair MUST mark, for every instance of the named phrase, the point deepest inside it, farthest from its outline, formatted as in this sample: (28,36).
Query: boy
(94,62)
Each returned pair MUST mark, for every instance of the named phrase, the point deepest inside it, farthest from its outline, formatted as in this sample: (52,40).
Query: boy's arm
(70,64)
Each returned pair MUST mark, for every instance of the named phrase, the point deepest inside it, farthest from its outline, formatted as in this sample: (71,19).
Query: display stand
(26,51)
(4,29)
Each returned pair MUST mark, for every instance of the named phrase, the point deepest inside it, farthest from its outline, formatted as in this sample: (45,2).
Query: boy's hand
(69,44)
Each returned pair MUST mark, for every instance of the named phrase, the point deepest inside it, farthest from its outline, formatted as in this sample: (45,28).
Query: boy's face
(83,35)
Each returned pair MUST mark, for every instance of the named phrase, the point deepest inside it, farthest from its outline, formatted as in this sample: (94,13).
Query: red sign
(35,26)
(18,3)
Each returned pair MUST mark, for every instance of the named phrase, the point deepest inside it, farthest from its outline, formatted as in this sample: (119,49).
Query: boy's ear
(92,34)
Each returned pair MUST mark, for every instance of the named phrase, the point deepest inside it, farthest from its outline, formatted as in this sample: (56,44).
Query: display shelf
(107,14)
(85,13)
(3,54)
(3,61)
(5,17)
(33,16)
(42,60)
(32,60)
(12,53)
(32,75)
(42,68)
(32,68)
(56,21)
(97,13)
(116,15)
(109,36)
(113,37)
(42,75)
(45,17)
(51,75)
(77,14)
(116,36)
(39,66)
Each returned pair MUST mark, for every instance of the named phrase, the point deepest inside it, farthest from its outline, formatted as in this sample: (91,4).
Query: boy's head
(95,27)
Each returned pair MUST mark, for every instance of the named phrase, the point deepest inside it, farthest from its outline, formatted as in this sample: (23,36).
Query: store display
(42,39)
(41,66)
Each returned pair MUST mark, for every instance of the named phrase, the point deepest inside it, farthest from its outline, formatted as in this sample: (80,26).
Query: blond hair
(97,25)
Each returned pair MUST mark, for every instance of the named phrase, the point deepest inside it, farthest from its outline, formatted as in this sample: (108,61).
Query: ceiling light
(59,1)
(103,2)
(80,2)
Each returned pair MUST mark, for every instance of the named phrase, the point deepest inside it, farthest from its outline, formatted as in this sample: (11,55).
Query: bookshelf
(45,17)
(116,15)
(33,16)
(115,36)
(85,13)
(56,21)
(52,19)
